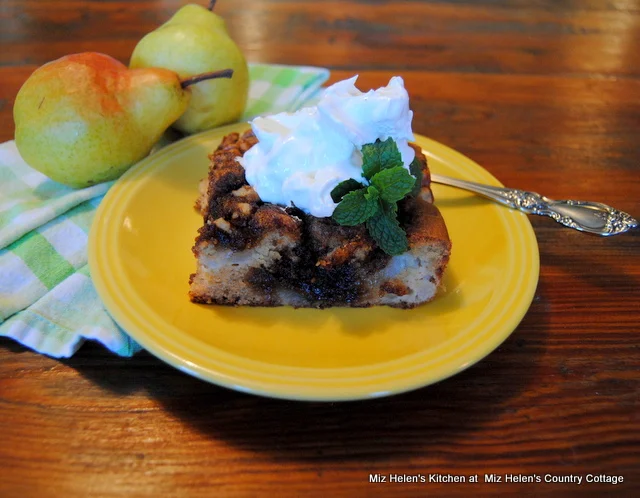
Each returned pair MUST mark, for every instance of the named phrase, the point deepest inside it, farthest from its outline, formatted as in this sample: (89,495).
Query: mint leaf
(393,183)
(386,231)
(356,207)
(379,156)
(373,194)
(416,170)
(343,188)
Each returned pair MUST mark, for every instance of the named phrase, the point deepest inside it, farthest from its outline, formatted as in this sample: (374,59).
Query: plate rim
(324,388)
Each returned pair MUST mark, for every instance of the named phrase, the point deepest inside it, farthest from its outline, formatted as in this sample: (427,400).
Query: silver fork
(586,216)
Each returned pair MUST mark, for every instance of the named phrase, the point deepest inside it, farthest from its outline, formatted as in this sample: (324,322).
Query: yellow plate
(140,259)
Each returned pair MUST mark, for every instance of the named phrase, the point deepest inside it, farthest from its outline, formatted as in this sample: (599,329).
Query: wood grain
(542,93)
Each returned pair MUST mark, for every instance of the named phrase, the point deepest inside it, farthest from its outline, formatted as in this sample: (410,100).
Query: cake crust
(259,254)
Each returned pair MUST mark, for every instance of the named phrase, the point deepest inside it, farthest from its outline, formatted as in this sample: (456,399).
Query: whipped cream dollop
(300,157)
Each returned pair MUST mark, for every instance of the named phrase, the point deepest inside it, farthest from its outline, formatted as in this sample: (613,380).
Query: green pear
(195,40)
(86,118)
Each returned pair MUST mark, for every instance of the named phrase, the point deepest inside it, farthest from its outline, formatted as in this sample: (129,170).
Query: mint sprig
(376,204)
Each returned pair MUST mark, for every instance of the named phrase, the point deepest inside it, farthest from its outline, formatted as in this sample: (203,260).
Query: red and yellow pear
(86,118)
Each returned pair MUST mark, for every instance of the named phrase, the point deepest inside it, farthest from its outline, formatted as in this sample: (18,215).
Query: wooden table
(546,95)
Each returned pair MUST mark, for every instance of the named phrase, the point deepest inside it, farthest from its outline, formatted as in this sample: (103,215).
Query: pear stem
(225,73)
(212,4)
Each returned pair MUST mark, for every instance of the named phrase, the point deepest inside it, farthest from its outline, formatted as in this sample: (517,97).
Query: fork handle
(586,216)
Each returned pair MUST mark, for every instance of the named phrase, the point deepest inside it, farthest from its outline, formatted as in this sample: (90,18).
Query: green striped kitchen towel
(47,299)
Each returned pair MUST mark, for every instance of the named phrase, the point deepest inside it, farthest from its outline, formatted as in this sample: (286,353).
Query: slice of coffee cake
(255,253)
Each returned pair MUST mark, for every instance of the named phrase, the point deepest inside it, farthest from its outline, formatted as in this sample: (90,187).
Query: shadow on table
(404,424)
(598,262)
